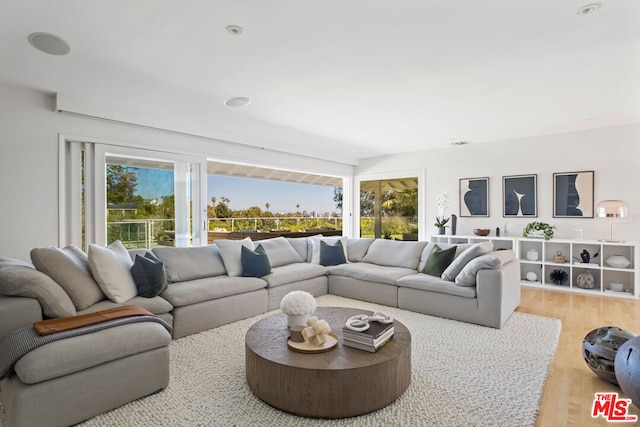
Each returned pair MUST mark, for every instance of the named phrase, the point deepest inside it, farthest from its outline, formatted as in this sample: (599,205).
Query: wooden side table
(343,382)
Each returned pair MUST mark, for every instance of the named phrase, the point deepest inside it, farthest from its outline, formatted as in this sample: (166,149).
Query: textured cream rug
(462,375)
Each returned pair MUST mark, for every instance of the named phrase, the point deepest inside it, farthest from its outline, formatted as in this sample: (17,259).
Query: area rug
(462,375)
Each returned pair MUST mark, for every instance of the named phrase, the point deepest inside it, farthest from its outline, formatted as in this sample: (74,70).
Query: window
(243,198)
(142,197)
(391,207)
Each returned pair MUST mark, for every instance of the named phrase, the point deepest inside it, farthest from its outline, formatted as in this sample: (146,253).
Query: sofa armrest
(498,293)
(17,313)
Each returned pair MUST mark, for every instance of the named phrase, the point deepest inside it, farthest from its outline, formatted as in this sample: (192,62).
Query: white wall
(29,130)
(613,153)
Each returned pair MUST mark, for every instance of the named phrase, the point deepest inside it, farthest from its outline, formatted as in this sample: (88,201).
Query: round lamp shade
(612,209)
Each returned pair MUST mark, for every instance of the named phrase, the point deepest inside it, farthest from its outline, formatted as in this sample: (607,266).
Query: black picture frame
(520,196)
(573,194)
(474,197)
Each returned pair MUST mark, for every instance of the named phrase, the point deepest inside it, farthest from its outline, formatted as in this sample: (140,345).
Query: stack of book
(372,340)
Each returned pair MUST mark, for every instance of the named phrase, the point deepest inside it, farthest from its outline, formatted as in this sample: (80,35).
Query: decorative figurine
(599,349)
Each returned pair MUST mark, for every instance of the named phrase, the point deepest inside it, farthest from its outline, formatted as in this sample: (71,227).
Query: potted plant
(538,230)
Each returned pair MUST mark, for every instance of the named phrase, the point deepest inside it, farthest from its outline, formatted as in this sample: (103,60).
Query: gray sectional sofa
(206,288)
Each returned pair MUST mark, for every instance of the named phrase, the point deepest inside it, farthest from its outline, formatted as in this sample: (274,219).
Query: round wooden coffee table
(343,382)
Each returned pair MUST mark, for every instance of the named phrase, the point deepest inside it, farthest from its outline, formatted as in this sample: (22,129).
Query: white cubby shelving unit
(498,242)
(603,274)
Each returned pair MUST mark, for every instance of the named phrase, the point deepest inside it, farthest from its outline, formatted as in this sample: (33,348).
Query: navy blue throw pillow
(149,275)
(254,263)
(331,254)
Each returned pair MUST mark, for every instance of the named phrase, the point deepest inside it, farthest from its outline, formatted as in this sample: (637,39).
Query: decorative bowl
(618,261)
(481,231)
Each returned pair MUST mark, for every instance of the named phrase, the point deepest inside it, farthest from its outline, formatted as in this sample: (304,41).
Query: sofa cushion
(425,282)
(357,248)
(331,254)
(69,268)
(315,246)
(395,253)
(21,279)
(111,267)
(301,246)
(438,260)
(149,275)
(183,264)
(461,260)
(156,305)
(64,357)
(209,288)
(294,273)
(280,252)
(371,272)
(230,252)
(493,260)
(254,263)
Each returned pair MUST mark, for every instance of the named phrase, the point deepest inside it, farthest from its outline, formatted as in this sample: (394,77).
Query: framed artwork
(573,194)
(520,196)
(474,197)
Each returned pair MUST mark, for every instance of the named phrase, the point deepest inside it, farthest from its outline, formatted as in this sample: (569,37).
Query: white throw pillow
(461,260)
(331,240)
(493,260)
(230,251)
(111,267)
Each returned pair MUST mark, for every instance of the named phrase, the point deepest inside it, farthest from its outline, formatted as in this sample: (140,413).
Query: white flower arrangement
(298,302)
(443,206)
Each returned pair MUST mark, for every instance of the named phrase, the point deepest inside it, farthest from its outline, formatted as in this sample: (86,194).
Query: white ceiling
(340,80)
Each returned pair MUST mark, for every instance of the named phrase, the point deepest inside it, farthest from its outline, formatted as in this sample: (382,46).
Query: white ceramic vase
(618,261)
(297,319)
(532,255)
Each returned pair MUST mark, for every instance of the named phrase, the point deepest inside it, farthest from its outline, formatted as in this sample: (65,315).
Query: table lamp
(611,209)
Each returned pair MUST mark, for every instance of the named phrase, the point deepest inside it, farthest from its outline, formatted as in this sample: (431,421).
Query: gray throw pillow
(230,252)
(111,267)
(493,260)
(280,252)
(19,279)
(69,268)
(461,260)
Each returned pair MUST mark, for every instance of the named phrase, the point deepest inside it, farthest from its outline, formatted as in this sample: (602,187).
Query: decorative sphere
(585,280)
(627,368)
(599,349)
(531,276)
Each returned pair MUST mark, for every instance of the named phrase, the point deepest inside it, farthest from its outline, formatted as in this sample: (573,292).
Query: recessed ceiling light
(235,30)
(49,43)
(587,9)
(460,143)
(237,101)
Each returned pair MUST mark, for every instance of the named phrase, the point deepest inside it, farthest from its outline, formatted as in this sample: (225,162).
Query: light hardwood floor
(571,385)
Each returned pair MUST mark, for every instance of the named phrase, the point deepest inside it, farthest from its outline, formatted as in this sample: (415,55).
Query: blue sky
(245,192)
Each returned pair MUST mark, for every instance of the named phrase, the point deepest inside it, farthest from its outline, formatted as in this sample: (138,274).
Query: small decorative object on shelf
(532,255)
(559,258)
(559,277)
(585,256)
(538,230)
(599,349)
(585,280)
(618,261)
(298,306)
(616,286)
(531,276)
(481,231)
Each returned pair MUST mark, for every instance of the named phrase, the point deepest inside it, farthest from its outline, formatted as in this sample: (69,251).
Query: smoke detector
(588,9)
